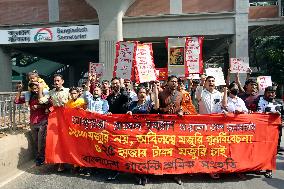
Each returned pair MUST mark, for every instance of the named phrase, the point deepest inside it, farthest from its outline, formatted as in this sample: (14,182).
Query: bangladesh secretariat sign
(49,34)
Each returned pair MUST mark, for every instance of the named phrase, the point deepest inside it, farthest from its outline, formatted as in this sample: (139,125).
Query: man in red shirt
(38,119)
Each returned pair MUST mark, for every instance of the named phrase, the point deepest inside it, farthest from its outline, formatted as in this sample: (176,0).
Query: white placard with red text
(124,62)
(144,63)
(96,68)
(263,82)
(239,65)
(218,74)
(193,55)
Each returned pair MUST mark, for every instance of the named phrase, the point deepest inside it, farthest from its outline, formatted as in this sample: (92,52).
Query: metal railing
(12,116)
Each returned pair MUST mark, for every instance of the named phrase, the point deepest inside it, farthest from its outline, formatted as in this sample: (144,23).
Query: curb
(15,154)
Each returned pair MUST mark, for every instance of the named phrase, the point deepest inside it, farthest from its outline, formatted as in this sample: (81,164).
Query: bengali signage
(144,63)
(239,65)
(125,60)
(163,144)
(49,34)
(193,55)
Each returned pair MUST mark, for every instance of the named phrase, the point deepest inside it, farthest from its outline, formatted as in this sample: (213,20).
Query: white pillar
(110,15)
(175,6)
(53,10)
(6,71)
(239,46)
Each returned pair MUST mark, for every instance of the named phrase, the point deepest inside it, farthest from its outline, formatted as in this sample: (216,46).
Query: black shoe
(144,181)
(242,176)
(178,180)
(139,181)
(75,170)
(280,149)
(39,161)
(268,174)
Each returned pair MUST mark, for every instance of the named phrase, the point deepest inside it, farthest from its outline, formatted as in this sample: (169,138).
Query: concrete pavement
(46,177)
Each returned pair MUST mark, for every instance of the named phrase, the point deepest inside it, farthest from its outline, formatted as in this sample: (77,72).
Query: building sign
(49,34)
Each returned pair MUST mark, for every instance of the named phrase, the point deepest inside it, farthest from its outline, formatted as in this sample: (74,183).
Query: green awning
(43,67)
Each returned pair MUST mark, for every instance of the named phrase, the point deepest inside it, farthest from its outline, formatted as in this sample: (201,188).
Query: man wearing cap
(250,96)
(268,104)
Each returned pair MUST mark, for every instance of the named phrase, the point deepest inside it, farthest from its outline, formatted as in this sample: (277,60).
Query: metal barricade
(12,115)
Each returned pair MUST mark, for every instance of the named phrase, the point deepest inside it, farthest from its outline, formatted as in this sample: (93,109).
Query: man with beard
(58,96)
(250,96)
(38,119)
(170,100)
(105,89)
(268,104)
(119,99)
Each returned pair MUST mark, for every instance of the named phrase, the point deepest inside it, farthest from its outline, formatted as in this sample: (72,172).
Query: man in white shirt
(209,99)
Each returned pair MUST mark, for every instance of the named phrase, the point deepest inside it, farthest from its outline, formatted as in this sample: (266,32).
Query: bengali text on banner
(163,144)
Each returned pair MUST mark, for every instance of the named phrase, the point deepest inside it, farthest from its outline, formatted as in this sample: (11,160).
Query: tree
(267,54)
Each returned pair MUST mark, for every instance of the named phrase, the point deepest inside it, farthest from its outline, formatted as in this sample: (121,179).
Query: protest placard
(144,63)
(218,74)
(239,65)
(96,68)
(193,55)
(263,82)
(124,62)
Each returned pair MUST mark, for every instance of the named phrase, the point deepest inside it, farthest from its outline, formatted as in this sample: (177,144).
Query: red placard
(163,144)
(163,74)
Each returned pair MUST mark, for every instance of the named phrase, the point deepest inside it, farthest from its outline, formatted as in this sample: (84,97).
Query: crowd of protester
(121,96)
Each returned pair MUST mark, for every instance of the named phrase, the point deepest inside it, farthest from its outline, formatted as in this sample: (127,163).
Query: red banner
(163,144)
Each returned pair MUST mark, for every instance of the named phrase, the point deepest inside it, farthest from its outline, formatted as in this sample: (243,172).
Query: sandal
(178,180)
(242,176)
(60,168)
(268,174)
(214,175)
